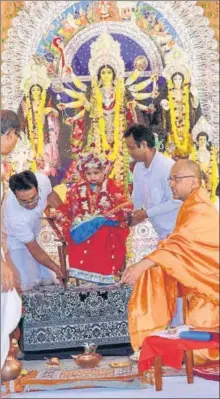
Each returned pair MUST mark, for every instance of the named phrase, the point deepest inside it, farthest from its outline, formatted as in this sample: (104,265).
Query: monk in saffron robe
(185,264)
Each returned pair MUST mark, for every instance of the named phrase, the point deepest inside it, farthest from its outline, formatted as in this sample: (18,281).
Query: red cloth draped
(170,350)
(105,251)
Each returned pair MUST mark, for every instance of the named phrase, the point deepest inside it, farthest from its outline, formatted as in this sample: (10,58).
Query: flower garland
(98,96)
(119,95)
(119,169)
(126,157)
(36,124)
(184,145)
(212,171)
(214,174)
(95,202)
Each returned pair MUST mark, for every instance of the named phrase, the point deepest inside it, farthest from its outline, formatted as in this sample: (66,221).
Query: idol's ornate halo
(34,74)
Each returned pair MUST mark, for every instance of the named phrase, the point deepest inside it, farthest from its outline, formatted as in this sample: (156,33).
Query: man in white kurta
(11,305)
(22,220)
(152,196)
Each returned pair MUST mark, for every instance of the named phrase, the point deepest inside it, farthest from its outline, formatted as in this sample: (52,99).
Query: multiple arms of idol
(81,102)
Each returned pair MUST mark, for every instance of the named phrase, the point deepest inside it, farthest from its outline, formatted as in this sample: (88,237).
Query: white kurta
(22,226)
(11,308)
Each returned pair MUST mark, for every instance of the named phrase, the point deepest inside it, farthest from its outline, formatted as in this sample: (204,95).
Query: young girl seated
(93,220)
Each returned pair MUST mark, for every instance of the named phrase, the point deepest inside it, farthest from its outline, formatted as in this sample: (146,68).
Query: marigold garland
(119,95)
(37,131)
(214,173)
(98,96)
(184,147)
(126,157)
(212,170)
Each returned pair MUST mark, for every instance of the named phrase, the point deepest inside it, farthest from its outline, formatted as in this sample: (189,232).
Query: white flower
(84,205)
(104,202)
(82,190)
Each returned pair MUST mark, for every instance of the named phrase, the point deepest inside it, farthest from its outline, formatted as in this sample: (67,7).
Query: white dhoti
(32,273)
(11,309)
(11,304)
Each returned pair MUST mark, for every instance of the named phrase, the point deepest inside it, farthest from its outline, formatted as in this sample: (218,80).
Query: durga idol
(109,104)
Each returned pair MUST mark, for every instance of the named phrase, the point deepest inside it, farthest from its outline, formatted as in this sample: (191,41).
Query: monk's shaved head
(185,177)
(187,166)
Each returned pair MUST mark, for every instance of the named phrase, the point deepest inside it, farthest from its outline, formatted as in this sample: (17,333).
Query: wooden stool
(188,357)
(157,351)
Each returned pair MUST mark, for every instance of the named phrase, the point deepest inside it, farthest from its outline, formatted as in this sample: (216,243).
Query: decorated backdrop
(79,72)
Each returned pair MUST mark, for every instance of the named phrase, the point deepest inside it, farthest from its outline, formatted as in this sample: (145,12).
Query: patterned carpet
(209,372)
(38,375)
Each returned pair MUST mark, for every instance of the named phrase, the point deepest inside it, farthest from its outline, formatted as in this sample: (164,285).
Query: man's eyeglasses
(31,202)
(176,179)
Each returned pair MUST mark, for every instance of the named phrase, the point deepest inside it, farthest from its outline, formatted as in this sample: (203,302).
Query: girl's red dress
(104,253)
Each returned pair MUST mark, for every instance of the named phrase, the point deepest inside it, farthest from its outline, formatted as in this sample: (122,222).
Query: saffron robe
(187,265)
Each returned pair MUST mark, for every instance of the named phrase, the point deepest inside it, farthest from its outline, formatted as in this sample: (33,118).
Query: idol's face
(177,80)
(106,76)
(36,92)
(202,142)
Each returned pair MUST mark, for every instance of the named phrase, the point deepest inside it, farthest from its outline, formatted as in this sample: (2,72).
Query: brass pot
(11,369)
(87,360)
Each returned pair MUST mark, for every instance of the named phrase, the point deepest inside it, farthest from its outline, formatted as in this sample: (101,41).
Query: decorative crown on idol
(106,51)
(34,74)
(177,62)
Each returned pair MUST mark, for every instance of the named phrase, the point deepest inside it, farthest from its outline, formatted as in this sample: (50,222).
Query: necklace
(203,156)
(108,96)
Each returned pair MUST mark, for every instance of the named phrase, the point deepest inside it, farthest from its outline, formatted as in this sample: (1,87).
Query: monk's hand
(138,216)
(132,274)
(7,278)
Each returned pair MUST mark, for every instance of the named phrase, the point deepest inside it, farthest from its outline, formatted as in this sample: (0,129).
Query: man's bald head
(185,176)
(187,167)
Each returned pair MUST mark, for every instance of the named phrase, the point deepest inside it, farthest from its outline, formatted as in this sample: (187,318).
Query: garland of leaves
(212,171)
